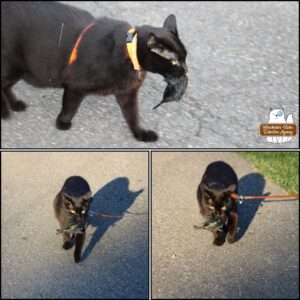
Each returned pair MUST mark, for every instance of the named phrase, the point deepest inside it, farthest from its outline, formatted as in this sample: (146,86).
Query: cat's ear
(86,198)
(67,200)
(157,47)
(231,189)
(170,24)
(152,41)
(206,189)
(203,186)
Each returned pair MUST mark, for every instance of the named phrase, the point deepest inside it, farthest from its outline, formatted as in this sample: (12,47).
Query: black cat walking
(49,44)
(71,207)
(216,203)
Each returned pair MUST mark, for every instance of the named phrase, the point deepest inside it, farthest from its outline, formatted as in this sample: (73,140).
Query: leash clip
(241,199)
(91,213)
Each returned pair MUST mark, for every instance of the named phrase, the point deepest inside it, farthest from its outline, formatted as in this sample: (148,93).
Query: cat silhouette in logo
(277,117)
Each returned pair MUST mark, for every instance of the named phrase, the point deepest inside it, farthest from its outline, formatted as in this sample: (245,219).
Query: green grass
(281,168)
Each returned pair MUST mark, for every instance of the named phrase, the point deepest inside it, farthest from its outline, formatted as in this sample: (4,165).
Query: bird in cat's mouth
(175,89)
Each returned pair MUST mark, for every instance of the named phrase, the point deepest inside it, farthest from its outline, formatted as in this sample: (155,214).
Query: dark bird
(174,91)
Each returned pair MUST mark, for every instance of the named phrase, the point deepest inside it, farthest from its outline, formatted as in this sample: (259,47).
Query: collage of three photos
(149,150)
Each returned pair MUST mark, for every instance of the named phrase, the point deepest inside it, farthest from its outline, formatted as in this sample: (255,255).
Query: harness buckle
(241,199)
(129,37)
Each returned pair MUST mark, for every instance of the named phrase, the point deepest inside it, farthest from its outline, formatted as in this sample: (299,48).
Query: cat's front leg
(71,102)
(79,240)
(219,237)
(5,110)
(129,106)
(232,227)
(67,242)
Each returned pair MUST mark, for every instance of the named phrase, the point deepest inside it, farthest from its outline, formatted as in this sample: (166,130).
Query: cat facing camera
(71,206)
(216,203)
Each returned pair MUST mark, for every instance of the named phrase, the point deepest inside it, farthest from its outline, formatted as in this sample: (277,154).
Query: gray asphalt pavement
(262,264)
(242,57)
(115,254)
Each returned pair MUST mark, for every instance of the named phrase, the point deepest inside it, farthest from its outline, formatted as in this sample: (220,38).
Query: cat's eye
(211,207)
(223,208)
(175,62)
(83,212)
(72,211)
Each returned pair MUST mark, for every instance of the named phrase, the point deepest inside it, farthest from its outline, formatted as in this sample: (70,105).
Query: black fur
(71,205)
(31,49)
(218,183)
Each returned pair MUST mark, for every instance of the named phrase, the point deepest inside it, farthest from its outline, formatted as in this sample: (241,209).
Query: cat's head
(276,115)
(161,49)
(77,207)
(218,199)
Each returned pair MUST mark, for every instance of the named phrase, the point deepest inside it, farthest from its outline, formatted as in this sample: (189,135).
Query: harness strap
(74,53)
(131,42)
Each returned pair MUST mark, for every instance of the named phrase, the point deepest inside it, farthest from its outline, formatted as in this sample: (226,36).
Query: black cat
(218,183)
(71,207)
(49,44)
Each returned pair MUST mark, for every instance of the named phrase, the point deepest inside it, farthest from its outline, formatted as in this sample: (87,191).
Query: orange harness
(99,214)
(74,53)
(131,43)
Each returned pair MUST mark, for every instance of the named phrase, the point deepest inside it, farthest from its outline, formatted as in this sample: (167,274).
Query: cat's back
(219,171)
(30,25)
(38,37)
(109,24)
(41,13)
(76,186)
(110,33)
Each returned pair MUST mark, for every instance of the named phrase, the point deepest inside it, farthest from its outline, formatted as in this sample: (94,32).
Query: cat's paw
(218,242)
(231,239)
(146,136)
(67,245)
(5,113)
(77,257)
(19,106)
(61,125)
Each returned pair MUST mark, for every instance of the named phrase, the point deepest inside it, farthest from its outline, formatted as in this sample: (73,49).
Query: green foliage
(281,168)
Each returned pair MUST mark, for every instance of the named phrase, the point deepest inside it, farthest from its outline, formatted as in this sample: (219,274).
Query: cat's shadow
(112,199)
(251,184)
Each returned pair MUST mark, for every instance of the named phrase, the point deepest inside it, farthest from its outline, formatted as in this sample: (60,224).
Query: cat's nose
(220,214)
(77,218)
